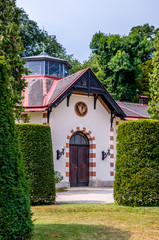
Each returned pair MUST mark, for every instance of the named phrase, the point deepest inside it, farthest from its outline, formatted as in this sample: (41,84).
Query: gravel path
(86,195)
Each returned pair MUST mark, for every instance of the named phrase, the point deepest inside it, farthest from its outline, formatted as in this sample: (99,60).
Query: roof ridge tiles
(75,73)
(49,94)
(132,103)
(82,72)
(133,111)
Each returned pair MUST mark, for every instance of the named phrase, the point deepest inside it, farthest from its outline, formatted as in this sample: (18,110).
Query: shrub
(15,214)
(137,165)
(58,177)
(36,146)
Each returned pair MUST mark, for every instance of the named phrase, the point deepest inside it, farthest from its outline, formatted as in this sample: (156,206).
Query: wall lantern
(105,154)
(60,153)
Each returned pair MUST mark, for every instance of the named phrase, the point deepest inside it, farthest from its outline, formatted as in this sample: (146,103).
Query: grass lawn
(95,222)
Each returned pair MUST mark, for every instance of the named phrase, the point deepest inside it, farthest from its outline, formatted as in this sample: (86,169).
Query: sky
(74,22)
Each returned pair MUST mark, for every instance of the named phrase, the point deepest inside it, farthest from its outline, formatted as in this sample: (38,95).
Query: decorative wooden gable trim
(89,84)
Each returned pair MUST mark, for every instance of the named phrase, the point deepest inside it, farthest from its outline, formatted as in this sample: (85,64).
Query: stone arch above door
(92,151)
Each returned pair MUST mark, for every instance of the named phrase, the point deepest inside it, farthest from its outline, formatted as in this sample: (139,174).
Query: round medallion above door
(81,109)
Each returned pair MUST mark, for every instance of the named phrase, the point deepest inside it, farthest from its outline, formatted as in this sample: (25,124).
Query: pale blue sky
(75,21)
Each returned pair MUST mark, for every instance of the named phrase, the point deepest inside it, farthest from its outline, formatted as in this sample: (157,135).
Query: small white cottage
(83,118)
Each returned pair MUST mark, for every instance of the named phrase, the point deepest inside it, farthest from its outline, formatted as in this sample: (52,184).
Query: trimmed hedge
(137,165)
(15,213)
(36,146)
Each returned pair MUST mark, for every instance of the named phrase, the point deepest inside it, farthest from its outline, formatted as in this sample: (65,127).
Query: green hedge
(137,165)
(36,146)
(15,213)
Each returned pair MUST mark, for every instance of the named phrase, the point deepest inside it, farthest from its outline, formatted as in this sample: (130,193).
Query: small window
(79,138)
(36,67)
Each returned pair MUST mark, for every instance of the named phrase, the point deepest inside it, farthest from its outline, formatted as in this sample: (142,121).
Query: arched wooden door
(79,160)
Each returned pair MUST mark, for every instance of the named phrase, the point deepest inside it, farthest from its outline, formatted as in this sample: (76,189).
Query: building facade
(83,118)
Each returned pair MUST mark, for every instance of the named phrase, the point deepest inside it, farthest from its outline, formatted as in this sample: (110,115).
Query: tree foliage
(11,47)
(144,31)
(92,62)
(77,66)
(154,83)
(124,61)
(144,78)
(33,39)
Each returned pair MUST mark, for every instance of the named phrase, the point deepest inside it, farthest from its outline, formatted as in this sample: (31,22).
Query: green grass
(95,222)
(61,190)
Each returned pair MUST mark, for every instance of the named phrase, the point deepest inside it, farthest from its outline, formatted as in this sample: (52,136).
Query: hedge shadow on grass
(78,232)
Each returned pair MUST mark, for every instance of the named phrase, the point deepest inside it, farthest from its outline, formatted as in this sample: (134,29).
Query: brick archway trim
(92,151)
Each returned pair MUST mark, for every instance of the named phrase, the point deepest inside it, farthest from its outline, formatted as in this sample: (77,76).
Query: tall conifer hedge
(137,165)
(36,147)
(15,214)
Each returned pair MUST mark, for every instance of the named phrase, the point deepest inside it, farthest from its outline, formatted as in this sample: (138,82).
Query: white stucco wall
(63,119)
(36,117)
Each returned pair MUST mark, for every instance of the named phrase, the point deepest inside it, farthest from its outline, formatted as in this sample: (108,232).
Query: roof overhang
(92,81)
(47,58)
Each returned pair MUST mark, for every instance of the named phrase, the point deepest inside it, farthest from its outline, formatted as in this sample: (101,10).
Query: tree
(121,59)
(15,214)
(77,66)
(144,31)
(33,39)
(143,80)
(31,35)
(153,109)
(93,63)
(11,47)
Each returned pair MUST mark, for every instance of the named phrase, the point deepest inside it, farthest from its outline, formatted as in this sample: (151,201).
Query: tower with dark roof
(43,64)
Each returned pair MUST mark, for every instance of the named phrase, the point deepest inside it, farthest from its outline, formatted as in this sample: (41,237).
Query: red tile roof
(43,91)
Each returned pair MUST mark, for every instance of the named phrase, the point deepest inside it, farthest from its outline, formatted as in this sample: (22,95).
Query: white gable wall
(63,120)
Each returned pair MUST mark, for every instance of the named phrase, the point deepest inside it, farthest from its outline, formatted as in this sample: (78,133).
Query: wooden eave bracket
(68,99)
(95,100)
(113,115)
(48,113)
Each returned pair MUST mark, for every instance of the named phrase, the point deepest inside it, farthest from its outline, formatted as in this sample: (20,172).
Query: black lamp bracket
(60,153)
(105,154)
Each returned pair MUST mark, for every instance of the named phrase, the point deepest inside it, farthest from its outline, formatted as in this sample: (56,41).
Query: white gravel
(86,195)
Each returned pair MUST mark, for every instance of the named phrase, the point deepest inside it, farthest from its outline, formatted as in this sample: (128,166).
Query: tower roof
(43,56)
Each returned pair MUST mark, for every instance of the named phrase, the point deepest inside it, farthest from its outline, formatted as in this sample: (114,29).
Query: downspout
(48,114)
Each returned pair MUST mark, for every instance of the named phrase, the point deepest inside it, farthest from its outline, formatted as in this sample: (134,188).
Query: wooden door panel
(79,165)
(73,165)
(83,165)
